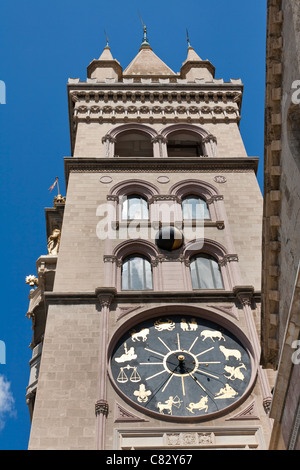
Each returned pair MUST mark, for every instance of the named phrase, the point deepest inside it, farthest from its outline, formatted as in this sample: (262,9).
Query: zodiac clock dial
(181,366)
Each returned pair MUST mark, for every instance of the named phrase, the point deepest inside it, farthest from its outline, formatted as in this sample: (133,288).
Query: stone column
(244,295)
(210,146)
(109,146)
(160,146)
(105,296)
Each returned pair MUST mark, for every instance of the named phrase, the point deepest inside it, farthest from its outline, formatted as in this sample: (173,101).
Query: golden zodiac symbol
(235,372)
(188,326)
(211,334)
(128,355)
(162,325)
(231,352)
(134,377)
(172,401)
(142,394)
(135,336)
(226,392)
(201,405)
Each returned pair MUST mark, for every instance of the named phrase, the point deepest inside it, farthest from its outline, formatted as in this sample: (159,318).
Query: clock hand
(182,385)
(155,352)
(198,383)
(168,381)
(203,352)
(155,375)
(207,373)
(193,343)
(164,384)
(167,347)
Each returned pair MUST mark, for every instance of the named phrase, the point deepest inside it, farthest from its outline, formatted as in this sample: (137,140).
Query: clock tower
(146,310)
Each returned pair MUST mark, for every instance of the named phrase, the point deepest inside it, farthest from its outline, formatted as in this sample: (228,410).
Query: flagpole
(57,186)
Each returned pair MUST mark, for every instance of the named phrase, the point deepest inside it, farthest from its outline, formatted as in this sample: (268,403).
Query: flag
(54,184)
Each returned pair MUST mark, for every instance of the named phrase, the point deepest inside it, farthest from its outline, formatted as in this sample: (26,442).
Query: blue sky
(43,43)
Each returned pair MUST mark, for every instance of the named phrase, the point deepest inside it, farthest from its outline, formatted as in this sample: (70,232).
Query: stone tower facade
(281,221)
(146,313)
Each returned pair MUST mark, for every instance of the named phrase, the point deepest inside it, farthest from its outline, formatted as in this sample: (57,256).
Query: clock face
(181,366)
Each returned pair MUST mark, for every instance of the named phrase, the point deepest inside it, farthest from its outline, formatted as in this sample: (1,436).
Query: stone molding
(156,113)
(231,436)
(177,100)
(248,413)
(134,165)
(191,93)
(55,298)
(122,415)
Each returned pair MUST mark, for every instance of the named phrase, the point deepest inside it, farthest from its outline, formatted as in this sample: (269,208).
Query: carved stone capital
(101,407)
(267,404)
(112,259)
(108,138)
(159,138)
(112,197)
(209,138)
(154,262)
(109,259)
(244,294)
(163,197)
(216,197)
(105,295)
(228,258)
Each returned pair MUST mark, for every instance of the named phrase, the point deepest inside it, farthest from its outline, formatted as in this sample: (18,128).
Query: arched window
(134,144)
(136,273)
(135,207)
(194,208)
(184,144)
(205,273)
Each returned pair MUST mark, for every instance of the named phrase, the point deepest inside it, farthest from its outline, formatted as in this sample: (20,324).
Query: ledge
(130,164)
(139,82)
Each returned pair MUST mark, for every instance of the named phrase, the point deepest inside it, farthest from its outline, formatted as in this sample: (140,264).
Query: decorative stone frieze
(188,439)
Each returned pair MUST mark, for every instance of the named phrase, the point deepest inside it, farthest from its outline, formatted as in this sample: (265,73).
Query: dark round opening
(169,238)
(180,362)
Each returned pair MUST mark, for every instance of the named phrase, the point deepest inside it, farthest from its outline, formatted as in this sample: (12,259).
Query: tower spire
(145,42)
(187,38)
(107,40)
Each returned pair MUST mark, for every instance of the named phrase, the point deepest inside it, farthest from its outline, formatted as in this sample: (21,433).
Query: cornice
(148,101)
(163,93)
(140,83)
(161,112)
(53,298)
(198,164)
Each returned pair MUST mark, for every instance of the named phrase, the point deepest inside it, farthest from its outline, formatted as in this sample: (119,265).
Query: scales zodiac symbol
(134,376)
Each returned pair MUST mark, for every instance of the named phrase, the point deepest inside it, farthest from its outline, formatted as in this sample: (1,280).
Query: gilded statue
(53,242)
